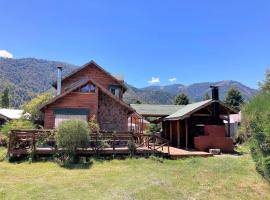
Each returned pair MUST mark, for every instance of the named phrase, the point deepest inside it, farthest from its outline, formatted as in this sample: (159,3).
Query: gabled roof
(189,109)
(155,110)
(98,66)
(11,113)
(81,83)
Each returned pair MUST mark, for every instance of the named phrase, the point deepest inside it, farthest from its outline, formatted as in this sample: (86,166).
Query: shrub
(15,124)
(132,147)
(93,125)
(70,135)
(3,153)
(256,127)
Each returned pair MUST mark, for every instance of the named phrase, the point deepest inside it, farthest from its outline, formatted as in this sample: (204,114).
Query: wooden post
(11,135)
(170,132)
(186,127)
(229,126)
(178,134)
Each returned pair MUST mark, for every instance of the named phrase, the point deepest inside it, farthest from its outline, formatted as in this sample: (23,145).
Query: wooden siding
(72,100)
(91,72)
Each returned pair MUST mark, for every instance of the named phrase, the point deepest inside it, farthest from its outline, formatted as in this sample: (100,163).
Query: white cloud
(172,79)
(154,80)
(5,54)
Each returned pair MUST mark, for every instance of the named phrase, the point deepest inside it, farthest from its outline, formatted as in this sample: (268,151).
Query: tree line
(233,99)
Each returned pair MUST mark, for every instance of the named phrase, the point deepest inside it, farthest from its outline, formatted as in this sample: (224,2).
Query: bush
(15,124)
(256,127)
(70,135)
(132,148)
(3,153)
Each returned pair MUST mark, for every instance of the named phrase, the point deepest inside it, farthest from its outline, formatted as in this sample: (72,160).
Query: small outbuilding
(198,125)
(9,114)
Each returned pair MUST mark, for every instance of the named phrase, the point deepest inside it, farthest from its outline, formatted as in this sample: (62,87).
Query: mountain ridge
(28,77)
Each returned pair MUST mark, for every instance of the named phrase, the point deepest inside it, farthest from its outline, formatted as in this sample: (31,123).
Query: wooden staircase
(155,143)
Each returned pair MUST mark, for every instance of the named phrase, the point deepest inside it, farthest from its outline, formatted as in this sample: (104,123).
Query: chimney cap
(214,86)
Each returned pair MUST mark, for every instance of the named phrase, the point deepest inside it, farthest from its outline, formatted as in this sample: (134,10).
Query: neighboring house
(137,124)
(235,122)
(198,125)
(9,114)
(88,91)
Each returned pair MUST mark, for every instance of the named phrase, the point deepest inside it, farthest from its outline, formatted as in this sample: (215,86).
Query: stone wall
(111,115)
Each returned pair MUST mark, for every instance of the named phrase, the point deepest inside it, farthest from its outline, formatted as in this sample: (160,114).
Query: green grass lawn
(223,177)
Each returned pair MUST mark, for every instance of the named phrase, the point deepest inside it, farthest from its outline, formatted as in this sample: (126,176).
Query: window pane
(93,88)
(84,88)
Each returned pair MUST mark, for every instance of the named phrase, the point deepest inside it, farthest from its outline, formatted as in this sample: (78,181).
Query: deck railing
(23,140)
(153,142)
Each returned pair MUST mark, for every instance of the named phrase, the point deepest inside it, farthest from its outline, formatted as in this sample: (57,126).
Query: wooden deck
(181,153)
(22,142)
(175,153)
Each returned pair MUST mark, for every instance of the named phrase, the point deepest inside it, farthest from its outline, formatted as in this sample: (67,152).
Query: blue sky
(186,41)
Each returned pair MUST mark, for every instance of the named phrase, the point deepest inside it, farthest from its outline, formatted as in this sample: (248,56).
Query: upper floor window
(88,88)
(115,90)
(92,88)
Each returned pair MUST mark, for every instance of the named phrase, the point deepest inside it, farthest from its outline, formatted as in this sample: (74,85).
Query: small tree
(234,98)
(33,107)
(265,85)
(70,135)
(206,97)
(181,99)
(5,98)
(93,124)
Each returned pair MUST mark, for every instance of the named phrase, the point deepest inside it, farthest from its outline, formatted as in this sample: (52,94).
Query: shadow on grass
(70,166)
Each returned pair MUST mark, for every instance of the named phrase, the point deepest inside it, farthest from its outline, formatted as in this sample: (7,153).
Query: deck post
(186,127)
(131,127)
(229,126)
(170,132)
(178,134)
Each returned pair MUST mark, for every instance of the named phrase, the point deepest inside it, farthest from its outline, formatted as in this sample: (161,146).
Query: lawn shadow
(71,166)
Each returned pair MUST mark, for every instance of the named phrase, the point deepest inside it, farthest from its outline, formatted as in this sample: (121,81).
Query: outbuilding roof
(155,110)
(176,112)
(186,110)
(11,113)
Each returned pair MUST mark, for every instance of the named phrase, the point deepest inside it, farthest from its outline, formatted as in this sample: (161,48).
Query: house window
(63,114)
(115,90)
(85,88)
(92,88)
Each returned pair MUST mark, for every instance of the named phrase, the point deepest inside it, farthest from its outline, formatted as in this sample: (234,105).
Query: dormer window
(115,90)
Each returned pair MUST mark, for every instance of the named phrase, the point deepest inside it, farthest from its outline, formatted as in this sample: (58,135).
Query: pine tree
(181,99)
(206,96)
(234,98)
(265,85)
(5,99)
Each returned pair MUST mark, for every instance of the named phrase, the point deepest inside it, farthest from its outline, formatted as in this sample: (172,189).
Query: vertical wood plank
(186,127)
(170,132)
(178,134)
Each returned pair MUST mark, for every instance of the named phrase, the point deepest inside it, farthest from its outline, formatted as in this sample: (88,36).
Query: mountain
(196,91)
(29,77)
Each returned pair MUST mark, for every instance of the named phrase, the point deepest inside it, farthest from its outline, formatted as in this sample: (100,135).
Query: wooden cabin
(197,126)
(87,91)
